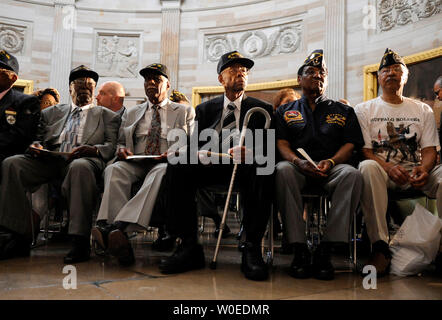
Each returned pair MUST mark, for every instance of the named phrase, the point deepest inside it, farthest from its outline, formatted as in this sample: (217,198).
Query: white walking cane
(232,180)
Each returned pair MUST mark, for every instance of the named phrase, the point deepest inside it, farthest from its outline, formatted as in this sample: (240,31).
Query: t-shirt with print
(397,132)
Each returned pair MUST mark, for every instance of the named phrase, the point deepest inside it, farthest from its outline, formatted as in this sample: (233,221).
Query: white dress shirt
(83,116)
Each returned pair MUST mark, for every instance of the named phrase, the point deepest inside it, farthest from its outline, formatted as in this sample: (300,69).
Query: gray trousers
(374,201)
(117,204)
(22,173)
(343,184)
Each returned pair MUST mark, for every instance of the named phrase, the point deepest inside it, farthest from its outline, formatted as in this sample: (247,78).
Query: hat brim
(84,74)
(242,61)
(145,71)
(5,66)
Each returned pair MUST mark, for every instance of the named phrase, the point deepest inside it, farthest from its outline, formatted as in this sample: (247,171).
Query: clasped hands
(309,169)
(417,179)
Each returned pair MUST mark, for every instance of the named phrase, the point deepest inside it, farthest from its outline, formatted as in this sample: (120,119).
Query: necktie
(229,123)
(154,134)
(70,140)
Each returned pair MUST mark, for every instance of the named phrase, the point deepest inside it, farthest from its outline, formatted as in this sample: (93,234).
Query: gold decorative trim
(27,85)
(370,78)
(274,85)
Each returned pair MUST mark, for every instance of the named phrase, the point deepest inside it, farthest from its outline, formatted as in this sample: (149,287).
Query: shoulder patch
(293,116)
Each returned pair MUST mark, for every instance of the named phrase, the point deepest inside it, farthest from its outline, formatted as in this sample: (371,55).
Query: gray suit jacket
(178,116)
(100,130)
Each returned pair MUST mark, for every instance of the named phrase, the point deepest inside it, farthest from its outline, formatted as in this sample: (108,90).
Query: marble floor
(41,276)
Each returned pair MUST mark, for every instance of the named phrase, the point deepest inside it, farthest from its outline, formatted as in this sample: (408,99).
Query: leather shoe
(162,244)
(14,245)
(301,267)
(380,258)
(226,232)
(322,266)
(100,235)
(119,245)
(252,264)
(185,258)
(438,263)
(81,251)
(128,258)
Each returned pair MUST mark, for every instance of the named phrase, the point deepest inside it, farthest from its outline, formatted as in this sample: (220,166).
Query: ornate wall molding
(393,13)
(14,35)
(117,54)
(255,43)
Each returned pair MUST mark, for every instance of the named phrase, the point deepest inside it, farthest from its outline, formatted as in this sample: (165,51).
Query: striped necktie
(153,137)
(229,123)
(70,140)
(229,120)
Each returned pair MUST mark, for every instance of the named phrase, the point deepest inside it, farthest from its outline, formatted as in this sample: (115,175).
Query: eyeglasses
(311,72)
(395,69)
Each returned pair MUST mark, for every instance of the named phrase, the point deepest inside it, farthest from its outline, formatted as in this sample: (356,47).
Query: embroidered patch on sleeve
(293,116)
(336,118)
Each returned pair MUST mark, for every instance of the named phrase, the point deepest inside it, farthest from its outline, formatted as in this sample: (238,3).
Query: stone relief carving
(117,55)
(12,38)
(255,43)
(401,12)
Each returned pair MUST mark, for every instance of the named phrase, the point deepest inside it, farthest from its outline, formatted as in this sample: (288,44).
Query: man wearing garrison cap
(143,132)
(328,131)
(19,113)
(86,134)
(220,115)
(400,150)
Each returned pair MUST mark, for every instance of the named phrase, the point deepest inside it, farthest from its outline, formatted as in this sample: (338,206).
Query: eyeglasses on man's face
(234,69)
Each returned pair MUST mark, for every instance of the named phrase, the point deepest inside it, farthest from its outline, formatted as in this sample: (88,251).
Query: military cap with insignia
(157,68)
(315,59)
(390,57)
(82,72)
(8,61)
(233,57)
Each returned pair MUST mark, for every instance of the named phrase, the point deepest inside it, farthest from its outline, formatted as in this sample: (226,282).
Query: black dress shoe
(185,258)
(81,251)
(162,244)
(301,267)
(322,266)
(128,258)
(14,245)
(252,264)
(438,263)
(226,232)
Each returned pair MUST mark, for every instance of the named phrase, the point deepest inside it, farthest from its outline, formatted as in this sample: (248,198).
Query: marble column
(334,49)
(62,43)
(170,38)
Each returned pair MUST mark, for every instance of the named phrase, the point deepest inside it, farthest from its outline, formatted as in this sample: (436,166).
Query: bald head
(437,88)
(111,95)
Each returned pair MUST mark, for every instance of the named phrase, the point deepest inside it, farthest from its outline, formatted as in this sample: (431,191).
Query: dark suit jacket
(16,137)
(100,129)
(209,113)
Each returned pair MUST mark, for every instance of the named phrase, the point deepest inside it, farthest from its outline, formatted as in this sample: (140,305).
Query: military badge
(293,116)
(336,118)
(10,116)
